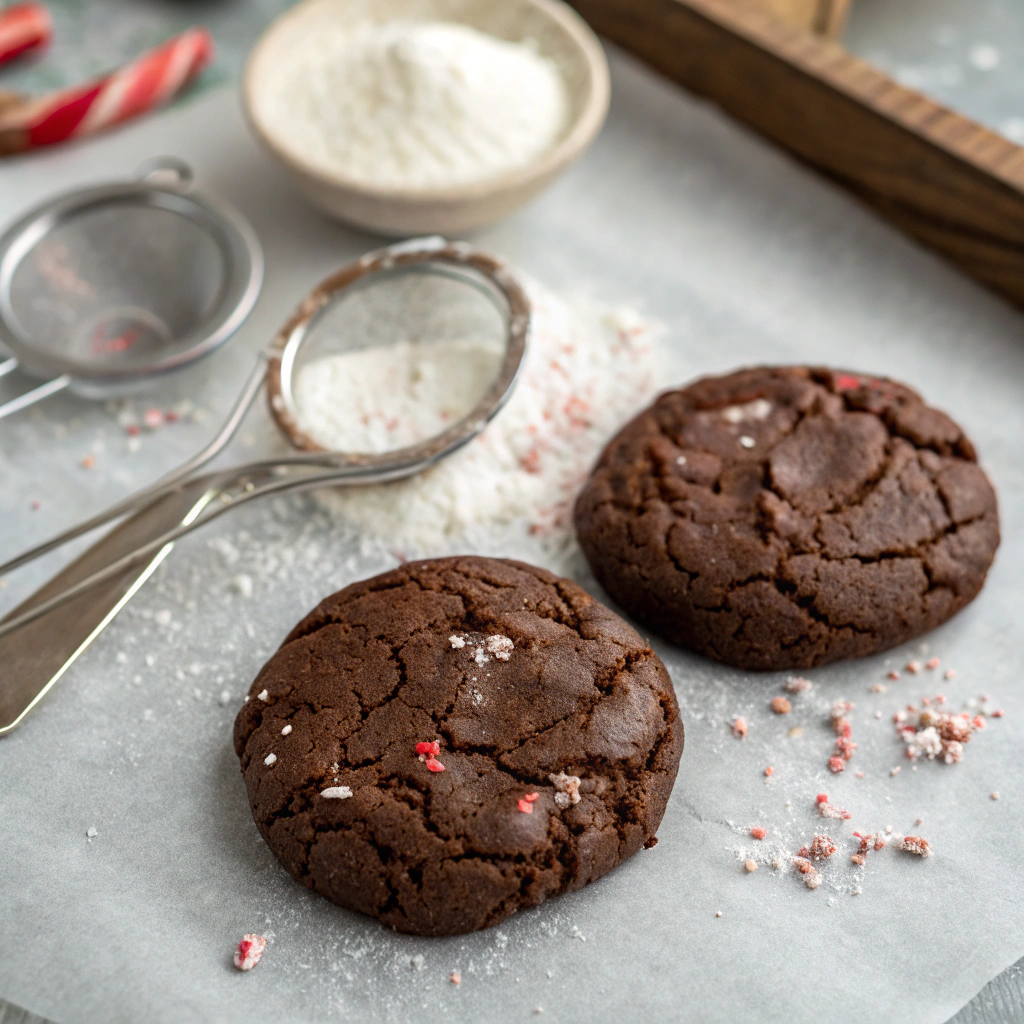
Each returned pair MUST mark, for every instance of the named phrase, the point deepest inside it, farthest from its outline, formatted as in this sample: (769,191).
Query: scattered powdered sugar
(588,367)
(934,733)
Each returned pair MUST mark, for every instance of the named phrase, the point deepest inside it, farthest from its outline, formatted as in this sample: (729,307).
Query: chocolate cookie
(448,742)
(785,517)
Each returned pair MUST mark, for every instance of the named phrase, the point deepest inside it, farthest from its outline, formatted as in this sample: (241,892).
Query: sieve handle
(164,486)
(51,387)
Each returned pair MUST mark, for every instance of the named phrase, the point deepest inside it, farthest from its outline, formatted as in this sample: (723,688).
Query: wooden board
(942,178)
(826,17)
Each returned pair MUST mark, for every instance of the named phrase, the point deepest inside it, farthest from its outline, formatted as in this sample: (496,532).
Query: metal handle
(165,485)
(51,387)
(34,656)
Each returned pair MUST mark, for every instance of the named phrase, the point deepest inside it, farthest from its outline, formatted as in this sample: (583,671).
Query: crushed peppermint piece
(739,726)
(827,810)
(88,462)
(270,759)
(812,877)
(567,789)
(930,733)
(857,858)
(932,663)
(425,749)
(879,688)
(781,706)
(500,646)
(263,695)
(336,792)
(757,832)
(526,806)
(91,833)
(820,848)
(915,845)
(249,951)
(894,675)
(434,765)
(998,713)
(836,765)
(894,771)
(769,772)
(993,796)
(455,978)
(746,441)
(913,667)
(950,673)
(749,865)
(457,643)
(797,684)
(286,730)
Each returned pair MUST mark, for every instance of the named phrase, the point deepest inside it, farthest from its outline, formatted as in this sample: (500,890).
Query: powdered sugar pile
(934,733)
(588,368)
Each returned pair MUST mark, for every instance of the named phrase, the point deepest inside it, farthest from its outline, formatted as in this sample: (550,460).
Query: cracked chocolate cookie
(785,517)
(449,742)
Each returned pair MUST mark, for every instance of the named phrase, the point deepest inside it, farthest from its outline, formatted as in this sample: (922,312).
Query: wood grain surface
(826,17)
(941,177)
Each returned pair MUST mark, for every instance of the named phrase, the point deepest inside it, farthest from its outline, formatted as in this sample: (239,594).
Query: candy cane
(145,84)
(23,27)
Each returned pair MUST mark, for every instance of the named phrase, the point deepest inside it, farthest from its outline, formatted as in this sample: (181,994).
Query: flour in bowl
(588,367)
(414,105)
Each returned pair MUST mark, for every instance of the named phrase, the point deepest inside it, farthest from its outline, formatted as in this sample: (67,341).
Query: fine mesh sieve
(105,288)
(403,305)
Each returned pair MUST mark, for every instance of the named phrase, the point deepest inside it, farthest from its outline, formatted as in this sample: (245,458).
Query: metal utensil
(312,330)
(104,289)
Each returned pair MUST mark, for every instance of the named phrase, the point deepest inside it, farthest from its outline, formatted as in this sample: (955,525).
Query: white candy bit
(336,792)
(758,409)
(500,646)
(91,833)
(457,642)
(567,789)
(263,695)
(747,442)
(270,759)
(249,951)
(286,730)
(797,684)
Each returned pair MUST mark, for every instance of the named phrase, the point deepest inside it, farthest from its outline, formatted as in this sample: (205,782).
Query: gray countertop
(968,53)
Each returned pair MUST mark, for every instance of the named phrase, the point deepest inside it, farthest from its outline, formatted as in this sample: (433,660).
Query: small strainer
(407,309)
(106,288)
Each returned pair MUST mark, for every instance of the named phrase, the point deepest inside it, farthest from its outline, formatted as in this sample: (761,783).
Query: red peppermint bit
(769,772)
(822,798)
(739,727)
(932,663)
(35,504)
(434,765)
(758,833)
(879,843)
(845,747)
(821,848)
(805,867)
(88,462)
(995,714)
(781,706)
(836,765)
(531,797)
(249,951)
(979,722)
(132,430)
(894,675)
(425,748)
(913,667)
(857,858)
(526,806)
(171,416)
(455,978)
(915,845)
(846,382)
(153,418)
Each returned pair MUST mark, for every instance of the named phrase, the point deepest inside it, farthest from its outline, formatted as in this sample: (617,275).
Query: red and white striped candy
(23,27)
(145,84)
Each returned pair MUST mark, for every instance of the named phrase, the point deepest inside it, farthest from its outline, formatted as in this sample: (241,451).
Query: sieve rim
(237,243)
(392,259)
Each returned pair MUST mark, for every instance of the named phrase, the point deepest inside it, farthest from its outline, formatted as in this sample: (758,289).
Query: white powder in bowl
(588,368)
(415,105)
(383,398)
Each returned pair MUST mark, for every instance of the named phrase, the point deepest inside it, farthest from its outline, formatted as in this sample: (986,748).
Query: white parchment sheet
(747,258)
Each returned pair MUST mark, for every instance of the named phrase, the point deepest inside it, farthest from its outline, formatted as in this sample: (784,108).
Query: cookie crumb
(718,913)
(455,978)
(651,843)
(739,726)
(336,792)
(270,759)
(916,845)
(249,951)
(749,865)
(757,832)
(286,730)
(781,706)
(263,695)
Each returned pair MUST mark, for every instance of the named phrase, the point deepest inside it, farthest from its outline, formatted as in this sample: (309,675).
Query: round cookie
(785,517)
(456,739)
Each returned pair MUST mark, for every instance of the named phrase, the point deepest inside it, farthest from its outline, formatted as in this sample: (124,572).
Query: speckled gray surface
(747,258)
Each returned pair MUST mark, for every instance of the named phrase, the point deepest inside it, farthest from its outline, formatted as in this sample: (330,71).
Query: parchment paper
(748,258)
